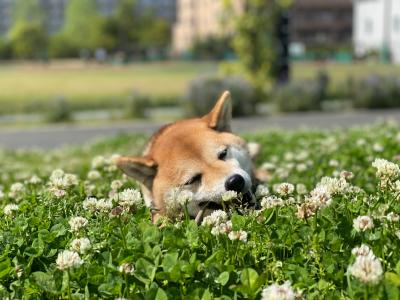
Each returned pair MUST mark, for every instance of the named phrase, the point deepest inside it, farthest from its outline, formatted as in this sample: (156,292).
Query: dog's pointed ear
(219,118)
(143,169)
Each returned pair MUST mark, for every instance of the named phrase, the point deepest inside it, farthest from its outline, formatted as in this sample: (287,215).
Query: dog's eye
(196,178)
(222,155)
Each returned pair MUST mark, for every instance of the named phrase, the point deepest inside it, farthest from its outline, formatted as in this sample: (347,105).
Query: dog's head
(199,155)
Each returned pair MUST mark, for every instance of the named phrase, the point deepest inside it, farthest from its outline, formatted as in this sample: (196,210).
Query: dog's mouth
(246,201)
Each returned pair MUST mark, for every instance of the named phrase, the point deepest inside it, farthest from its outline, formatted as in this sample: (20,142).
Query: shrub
(61,112)
(203,92)
(138,104)
(376,92)
(302,95)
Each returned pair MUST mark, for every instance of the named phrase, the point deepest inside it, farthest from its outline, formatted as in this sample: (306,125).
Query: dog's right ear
(143,169)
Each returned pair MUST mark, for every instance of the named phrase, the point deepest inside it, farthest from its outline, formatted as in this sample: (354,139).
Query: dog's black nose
(235,183)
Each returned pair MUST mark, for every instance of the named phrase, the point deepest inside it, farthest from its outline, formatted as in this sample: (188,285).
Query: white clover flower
(34,180)
(116,184)
(363,250)
(377,147)
(301,167)
(346,174)
(9,209)
(229,196)
(172,206)
(363,223)
(58,173)
(77,223)
(392,217)
(385,169)
(285,188)
(130,198)
(59,193)
(320,196)
(81,245)
(216,217)
(19,271)
(98,162)
(278,292)
(333,163)
(68,259)
(93,175)
(367,269)
(222,228)
(90,204)
(361,142)
(238,235)
(126,268)
(334,186)
(271,201)
(261,191)
(16,190)
(301,189)
(268,166)
(184,197)
(71,179)
(104,205)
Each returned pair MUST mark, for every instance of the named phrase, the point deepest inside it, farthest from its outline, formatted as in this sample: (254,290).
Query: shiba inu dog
(200,155)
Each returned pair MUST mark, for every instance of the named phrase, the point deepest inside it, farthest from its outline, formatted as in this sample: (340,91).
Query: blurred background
(87,63)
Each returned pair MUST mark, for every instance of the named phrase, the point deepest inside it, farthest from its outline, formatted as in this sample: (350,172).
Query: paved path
(58,135)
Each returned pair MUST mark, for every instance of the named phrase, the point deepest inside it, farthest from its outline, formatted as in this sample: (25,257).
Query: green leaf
(161,295)
(223,278)
(5,267)
(145,271)
(206,295)
(45,282)
(248,278)
(393,278)
(170,260)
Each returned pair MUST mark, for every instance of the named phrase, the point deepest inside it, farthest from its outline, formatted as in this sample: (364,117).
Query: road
(53,136)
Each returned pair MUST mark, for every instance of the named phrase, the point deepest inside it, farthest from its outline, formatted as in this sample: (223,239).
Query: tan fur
(183,149)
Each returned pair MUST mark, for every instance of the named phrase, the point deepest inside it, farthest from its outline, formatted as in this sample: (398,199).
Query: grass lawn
(328,228)
(26,87)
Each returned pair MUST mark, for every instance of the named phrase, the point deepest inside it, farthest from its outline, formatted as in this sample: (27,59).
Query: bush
(376,92)
(138,104)
(203,92)
(302,95)
(61,112)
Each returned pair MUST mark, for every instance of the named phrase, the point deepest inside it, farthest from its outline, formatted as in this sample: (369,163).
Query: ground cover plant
(72,226)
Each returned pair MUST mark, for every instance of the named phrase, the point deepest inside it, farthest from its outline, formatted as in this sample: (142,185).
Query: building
(198,20)
(5,16)
(322,24)
(165,9)
(54,12)
(377,27)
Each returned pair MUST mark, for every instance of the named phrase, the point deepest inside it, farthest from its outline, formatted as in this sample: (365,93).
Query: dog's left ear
(219,118)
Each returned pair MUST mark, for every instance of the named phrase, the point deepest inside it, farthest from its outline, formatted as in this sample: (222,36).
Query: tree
(255,40)
(28,35)
(83,24)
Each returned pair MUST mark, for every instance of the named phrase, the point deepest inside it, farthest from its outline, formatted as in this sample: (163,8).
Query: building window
(368,25)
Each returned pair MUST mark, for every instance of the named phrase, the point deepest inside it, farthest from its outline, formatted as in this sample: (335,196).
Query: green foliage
(28,11)
(60,112)
(254,41)
(182,260)
(5,49)
(82,25)
(28,41)
(212,48)
(302,95)
(204,91)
